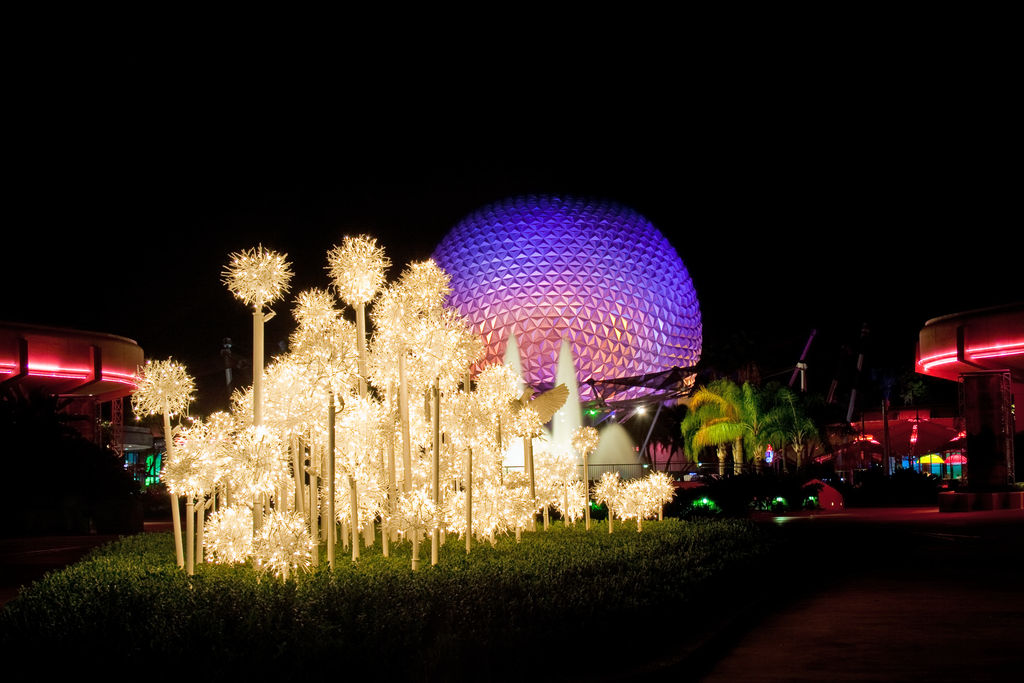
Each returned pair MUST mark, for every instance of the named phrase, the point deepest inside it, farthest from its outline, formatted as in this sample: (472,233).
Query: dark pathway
(880,595)
(24,560)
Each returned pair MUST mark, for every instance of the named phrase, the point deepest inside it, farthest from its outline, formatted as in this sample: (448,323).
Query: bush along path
(501,612)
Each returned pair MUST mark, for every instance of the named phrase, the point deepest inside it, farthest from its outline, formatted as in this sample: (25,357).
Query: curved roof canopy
(976,341)
(67,362)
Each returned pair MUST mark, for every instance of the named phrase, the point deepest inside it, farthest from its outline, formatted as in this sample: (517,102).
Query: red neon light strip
(944,361)
(127,381)
(998,354)
(70,373)
(56,373)
(936,356)
(119,375)
(1000,345)
(998,350)
(48,367)
(937,359)
(991,351)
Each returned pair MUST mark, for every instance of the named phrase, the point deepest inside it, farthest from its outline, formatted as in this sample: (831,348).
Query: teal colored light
(153,462)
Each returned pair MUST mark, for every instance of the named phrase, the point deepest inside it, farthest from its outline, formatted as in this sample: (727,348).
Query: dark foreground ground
(894,594)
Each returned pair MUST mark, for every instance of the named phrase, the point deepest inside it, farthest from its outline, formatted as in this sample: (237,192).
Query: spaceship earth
(547,268)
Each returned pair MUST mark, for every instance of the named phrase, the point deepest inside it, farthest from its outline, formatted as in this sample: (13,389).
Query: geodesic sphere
(591,271)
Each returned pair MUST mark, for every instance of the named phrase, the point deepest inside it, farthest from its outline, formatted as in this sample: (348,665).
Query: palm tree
(754,420)
(789,424)
(714,420)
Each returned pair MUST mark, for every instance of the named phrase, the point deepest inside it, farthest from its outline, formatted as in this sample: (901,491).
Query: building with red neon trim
(984,352)
(92,371)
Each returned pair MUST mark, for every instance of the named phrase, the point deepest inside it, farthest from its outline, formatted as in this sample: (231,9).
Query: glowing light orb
(228,536)
(257,276)
(357,268)
(283,545)
(162,386)
(585,440)
(590,271)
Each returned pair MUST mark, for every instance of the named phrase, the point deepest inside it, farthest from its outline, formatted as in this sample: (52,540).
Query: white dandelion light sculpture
(358,267)
(433,348)
(555,472)
(324,344)
(193,472)
(260,460)
(165,388)
(573,504)
(283,545)
(258,277)
(229,535)
(357,438)
(293,408)
(584,440)
(633,502)
(313,444)
(518,504)
(644,498)
(607,490)
(662,490)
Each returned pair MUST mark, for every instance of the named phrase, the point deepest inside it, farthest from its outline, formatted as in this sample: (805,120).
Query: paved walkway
(881,595)
(24,560)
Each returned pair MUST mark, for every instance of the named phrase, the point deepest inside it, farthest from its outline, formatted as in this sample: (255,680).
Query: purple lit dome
(594,272)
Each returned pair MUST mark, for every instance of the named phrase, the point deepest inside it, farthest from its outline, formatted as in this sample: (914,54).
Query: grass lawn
(563,600)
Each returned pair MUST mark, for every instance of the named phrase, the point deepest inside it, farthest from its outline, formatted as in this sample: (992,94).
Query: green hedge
(494,614)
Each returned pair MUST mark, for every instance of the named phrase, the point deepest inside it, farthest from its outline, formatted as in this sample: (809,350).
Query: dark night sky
(799,211)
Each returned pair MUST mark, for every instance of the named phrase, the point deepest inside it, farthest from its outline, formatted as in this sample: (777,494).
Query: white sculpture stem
(586,488)
(469,499)
(314,509)
(258,318)
(565,501)
(331,521)
(300,478)
(385,527)
(190,534)
(353,501)
(403,416)
(361,347)
(528,454)
(175,513)
(435,536)
(201,528)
